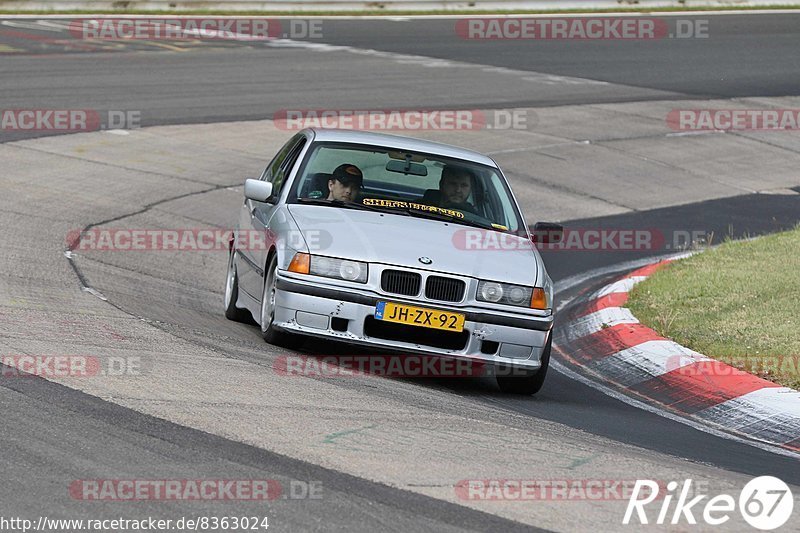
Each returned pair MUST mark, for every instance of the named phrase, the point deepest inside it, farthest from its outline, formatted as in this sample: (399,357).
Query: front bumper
(340,314)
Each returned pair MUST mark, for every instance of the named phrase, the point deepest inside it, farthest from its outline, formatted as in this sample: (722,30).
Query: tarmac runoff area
(163,309)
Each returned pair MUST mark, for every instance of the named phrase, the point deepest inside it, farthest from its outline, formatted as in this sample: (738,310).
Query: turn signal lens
(538,299)
(301,263)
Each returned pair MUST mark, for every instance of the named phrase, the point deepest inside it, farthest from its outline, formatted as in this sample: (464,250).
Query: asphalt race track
(205,400)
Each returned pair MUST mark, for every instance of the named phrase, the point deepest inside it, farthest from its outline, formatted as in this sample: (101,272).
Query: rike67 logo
(765,503)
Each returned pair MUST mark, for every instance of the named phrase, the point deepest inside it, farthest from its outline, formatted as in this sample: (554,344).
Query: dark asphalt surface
(213,81)
(51,432)
(53,435)
(710,222)
(765,49)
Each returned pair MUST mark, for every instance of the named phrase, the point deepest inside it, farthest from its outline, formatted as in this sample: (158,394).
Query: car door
(255,216)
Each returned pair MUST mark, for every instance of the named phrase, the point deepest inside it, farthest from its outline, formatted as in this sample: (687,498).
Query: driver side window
(279,168)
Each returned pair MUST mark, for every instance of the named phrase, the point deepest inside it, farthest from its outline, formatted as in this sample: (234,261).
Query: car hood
(401,240)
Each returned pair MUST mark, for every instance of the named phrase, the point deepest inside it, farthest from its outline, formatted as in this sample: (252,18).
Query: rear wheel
(232,293)
(529,384)
(268,330)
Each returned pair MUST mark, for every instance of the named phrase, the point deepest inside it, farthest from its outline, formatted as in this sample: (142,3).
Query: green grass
(387,12)
(738,303)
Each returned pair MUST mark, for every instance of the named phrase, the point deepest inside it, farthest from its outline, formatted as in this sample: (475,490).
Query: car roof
(401,143)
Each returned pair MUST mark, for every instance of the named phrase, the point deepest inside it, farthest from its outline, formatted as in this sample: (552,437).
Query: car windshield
(407,184)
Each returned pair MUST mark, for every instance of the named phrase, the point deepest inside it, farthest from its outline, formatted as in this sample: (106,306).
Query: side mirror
(547,233)
(257,190)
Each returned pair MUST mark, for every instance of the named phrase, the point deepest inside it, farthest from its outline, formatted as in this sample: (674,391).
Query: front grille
(435,338)
(401,282)
(444,289)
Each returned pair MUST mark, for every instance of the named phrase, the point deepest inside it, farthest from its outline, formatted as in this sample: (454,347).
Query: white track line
(602,319)
(623,285)
(646,361)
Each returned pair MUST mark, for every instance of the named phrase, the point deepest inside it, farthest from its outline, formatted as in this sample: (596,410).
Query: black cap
(347,174)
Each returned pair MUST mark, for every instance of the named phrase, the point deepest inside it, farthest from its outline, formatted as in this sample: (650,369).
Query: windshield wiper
(337,203)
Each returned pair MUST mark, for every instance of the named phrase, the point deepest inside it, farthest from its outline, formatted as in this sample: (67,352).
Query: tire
(232,294)
(530,384)
(268,330)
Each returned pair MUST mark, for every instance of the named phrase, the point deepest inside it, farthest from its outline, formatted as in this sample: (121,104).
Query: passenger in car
(455,187)
(345,183)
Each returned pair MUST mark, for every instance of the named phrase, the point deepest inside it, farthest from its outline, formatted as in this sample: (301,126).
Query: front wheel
(528,385)
(268,330)
(232,293)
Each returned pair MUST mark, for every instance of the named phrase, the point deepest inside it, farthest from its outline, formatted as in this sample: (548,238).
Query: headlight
(345,269)
(516,295)
(490,292)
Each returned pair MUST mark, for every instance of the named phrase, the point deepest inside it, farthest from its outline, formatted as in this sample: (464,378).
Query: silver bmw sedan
(396,244)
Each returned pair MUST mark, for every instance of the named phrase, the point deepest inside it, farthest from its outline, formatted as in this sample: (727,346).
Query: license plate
(419,316)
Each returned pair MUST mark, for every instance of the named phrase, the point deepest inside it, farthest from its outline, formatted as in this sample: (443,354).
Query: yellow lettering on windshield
(412,205)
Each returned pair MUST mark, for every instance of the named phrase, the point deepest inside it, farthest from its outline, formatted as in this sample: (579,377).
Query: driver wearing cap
(345,182)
